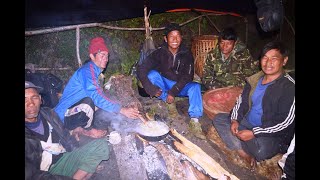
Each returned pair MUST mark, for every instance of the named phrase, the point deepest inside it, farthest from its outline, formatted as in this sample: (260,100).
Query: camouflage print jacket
(232,71)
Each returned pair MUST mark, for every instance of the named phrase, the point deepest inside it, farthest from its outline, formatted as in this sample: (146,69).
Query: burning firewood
(174,167)
(195,153)
(193,173)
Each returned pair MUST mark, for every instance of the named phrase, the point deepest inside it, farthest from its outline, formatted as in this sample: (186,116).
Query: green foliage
(130,58)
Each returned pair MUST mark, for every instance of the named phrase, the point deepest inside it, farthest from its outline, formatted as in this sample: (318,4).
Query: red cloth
(97,44)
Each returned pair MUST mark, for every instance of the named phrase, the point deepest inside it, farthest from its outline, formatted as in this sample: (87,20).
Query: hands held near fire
(132,113)
(244,135)
(94,133)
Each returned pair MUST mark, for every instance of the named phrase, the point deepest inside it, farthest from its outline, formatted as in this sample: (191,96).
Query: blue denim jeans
(191,90)
(261,148)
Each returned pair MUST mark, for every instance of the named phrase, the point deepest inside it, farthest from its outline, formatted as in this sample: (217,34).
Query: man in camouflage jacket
(229,63)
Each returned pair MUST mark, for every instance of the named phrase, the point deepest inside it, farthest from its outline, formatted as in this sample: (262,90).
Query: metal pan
(153,138)
(153,130)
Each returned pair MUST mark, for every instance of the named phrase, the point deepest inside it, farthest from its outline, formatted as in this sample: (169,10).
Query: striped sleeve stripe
(99,89)
(235,109)
(290,78)
(280,126)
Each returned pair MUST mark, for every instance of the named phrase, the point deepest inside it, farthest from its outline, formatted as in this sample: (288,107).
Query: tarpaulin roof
(55,13)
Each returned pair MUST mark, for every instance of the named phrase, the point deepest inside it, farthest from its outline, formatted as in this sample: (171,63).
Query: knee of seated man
(264,154)
(220,118)
(88,101)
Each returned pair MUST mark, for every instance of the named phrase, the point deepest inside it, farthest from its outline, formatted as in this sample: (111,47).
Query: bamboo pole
(215,26)
(65,28)
(48,69)
(77,46)
(146,23)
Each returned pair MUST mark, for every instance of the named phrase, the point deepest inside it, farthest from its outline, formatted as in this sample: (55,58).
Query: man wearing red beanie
(84,94)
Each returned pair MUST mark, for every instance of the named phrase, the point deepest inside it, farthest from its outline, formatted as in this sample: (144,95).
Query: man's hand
(159,92)
(245,135)
(76,132)
(94,133)
(170,99)
(234,127)
(132,113)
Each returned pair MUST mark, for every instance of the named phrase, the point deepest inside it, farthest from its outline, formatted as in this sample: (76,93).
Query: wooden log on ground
(174,167)
(193,173)
(195,153)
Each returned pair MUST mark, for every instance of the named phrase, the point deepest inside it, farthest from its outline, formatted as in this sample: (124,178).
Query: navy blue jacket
(278,106)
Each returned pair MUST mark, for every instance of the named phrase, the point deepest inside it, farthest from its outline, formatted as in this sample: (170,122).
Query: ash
(128,159)
(186,158)
(156,168)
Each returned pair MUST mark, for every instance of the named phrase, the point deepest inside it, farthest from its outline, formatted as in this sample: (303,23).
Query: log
(185,141)
(193,173)
(175,169)
(195,153)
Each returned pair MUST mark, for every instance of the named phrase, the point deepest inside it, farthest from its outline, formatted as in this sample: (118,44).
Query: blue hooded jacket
(84,83)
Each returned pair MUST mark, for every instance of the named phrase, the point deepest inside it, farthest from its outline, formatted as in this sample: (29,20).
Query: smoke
(124,125)
(116,121)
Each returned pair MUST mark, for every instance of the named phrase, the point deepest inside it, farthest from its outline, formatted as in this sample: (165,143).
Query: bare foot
(248,159)
(276,176)
(253,164)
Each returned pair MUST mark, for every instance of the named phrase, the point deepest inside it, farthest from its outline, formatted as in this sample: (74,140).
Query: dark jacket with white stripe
(178,67)
(278,106)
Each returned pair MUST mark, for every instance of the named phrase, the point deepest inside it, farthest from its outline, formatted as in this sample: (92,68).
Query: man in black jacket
(50,151)
(168,72)
(262,122)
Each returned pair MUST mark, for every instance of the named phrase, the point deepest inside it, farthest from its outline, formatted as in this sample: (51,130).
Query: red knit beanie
(97,44)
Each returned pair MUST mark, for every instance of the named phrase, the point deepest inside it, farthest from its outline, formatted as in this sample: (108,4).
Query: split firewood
(193,173)
(174,167)
(185,141)
(195,153)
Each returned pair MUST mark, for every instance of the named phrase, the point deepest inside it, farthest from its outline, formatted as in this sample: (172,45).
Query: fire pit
(174,157)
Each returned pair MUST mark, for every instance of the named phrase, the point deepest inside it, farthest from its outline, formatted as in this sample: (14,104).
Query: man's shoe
(195,129)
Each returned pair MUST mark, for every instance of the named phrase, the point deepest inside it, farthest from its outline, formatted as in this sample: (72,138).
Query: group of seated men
(260,125)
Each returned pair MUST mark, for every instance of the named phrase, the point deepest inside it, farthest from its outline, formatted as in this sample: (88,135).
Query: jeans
(260,148)
(191,90)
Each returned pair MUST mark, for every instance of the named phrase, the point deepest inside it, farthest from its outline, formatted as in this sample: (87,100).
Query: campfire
(173,157)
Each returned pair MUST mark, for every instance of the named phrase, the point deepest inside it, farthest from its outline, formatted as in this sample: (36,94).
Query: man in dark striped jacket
(261,124)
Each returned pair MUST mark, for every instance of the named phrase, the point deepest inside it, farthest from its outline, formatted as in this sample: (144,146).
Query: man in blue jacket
(262,122)
(83,95)
(168,72)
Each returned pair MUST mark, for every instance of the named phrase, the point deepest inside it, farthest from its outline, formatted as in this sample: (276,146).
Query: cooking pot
(153,130)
